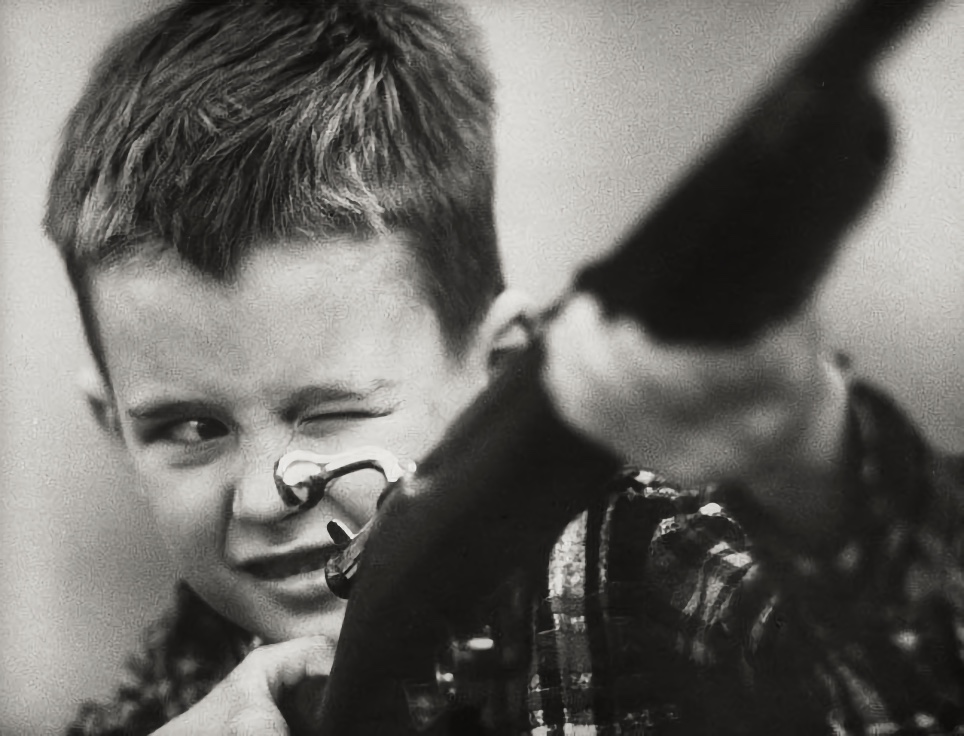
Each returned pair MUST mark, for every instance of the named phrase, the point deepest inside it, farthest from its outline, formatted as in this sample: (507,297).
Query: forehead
(341,302)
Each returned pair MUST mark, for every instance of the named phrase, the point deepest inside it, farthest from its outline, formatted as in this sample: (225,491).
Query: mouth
(292,564)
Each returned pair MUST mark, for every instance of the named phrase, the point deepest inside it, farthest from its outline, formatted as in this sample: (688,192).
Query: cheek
(357,494)
(422,425)
(189,514)
(444,402)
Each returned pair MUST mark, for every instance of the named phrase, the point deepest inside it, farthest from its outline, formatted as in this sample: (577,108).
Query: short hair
(214,125)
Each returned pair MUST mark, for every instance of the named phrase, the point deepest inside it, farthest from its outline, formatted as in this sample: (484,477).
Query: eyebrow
(331,393)
(161,409)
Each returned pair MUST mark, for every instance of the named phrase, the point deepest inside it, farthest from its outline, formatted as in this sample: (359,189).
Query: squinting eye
(194,431)
(334,416)
(344,416)
(333,421)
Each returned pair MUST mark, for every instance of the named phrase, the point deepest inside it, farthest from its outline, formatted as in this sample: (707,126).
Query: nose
(302,477)
(256,498)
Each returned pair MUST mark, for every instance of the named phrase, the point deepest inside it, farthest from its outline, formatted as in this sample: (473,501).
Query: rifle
(737,244)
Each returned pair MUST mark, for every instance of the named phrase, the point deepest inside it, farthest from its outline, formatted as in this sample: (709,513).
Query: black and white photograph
(483,367)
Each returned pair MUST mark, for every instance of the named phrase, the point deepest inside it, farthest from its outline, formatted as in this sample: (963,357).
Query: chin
(285,625)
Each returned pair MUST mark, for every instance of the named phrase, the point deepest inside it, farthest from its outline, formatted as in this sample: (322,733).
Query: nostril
(301,478)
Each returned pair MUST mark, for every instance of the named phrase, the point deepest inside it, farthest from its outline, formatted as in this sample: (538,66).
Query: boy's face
(315,346)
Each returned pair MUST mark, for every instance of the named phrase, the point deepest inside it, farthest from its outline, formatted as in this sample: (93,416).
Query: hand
(769,414)
(246,702)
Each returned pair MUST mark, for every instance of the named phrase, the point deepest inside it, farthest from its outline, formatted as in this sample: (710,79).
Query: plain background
(602,102)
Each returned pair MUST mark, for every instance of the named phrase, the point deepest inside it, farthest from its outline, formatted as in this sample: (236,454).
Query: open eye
(192,431)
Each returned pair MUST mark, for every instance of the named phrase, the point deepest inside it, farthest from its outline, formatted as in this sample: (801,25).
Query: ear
(507,328)
(100,400)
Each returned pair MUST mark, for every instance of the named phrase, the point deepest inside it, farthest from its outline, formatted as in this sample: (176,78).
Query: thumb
(279,667)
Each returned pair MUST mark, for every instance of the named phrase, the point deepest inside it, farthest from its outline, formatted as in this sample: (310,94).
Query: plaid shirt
(660,616)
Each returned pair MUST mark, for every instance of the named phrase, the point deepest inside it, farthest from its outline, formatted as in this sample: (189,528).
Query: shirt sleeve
(769,631)
(873,614)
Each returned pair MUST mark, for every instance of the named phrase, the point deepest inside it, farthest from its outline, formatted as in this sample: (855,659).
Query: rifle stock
(740,242)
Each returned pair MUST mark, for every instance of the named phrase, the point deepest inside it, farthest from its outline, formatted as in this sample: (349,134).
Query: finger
(585,351)
(253,722)
(569,362)
(281,666)
(587,337)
